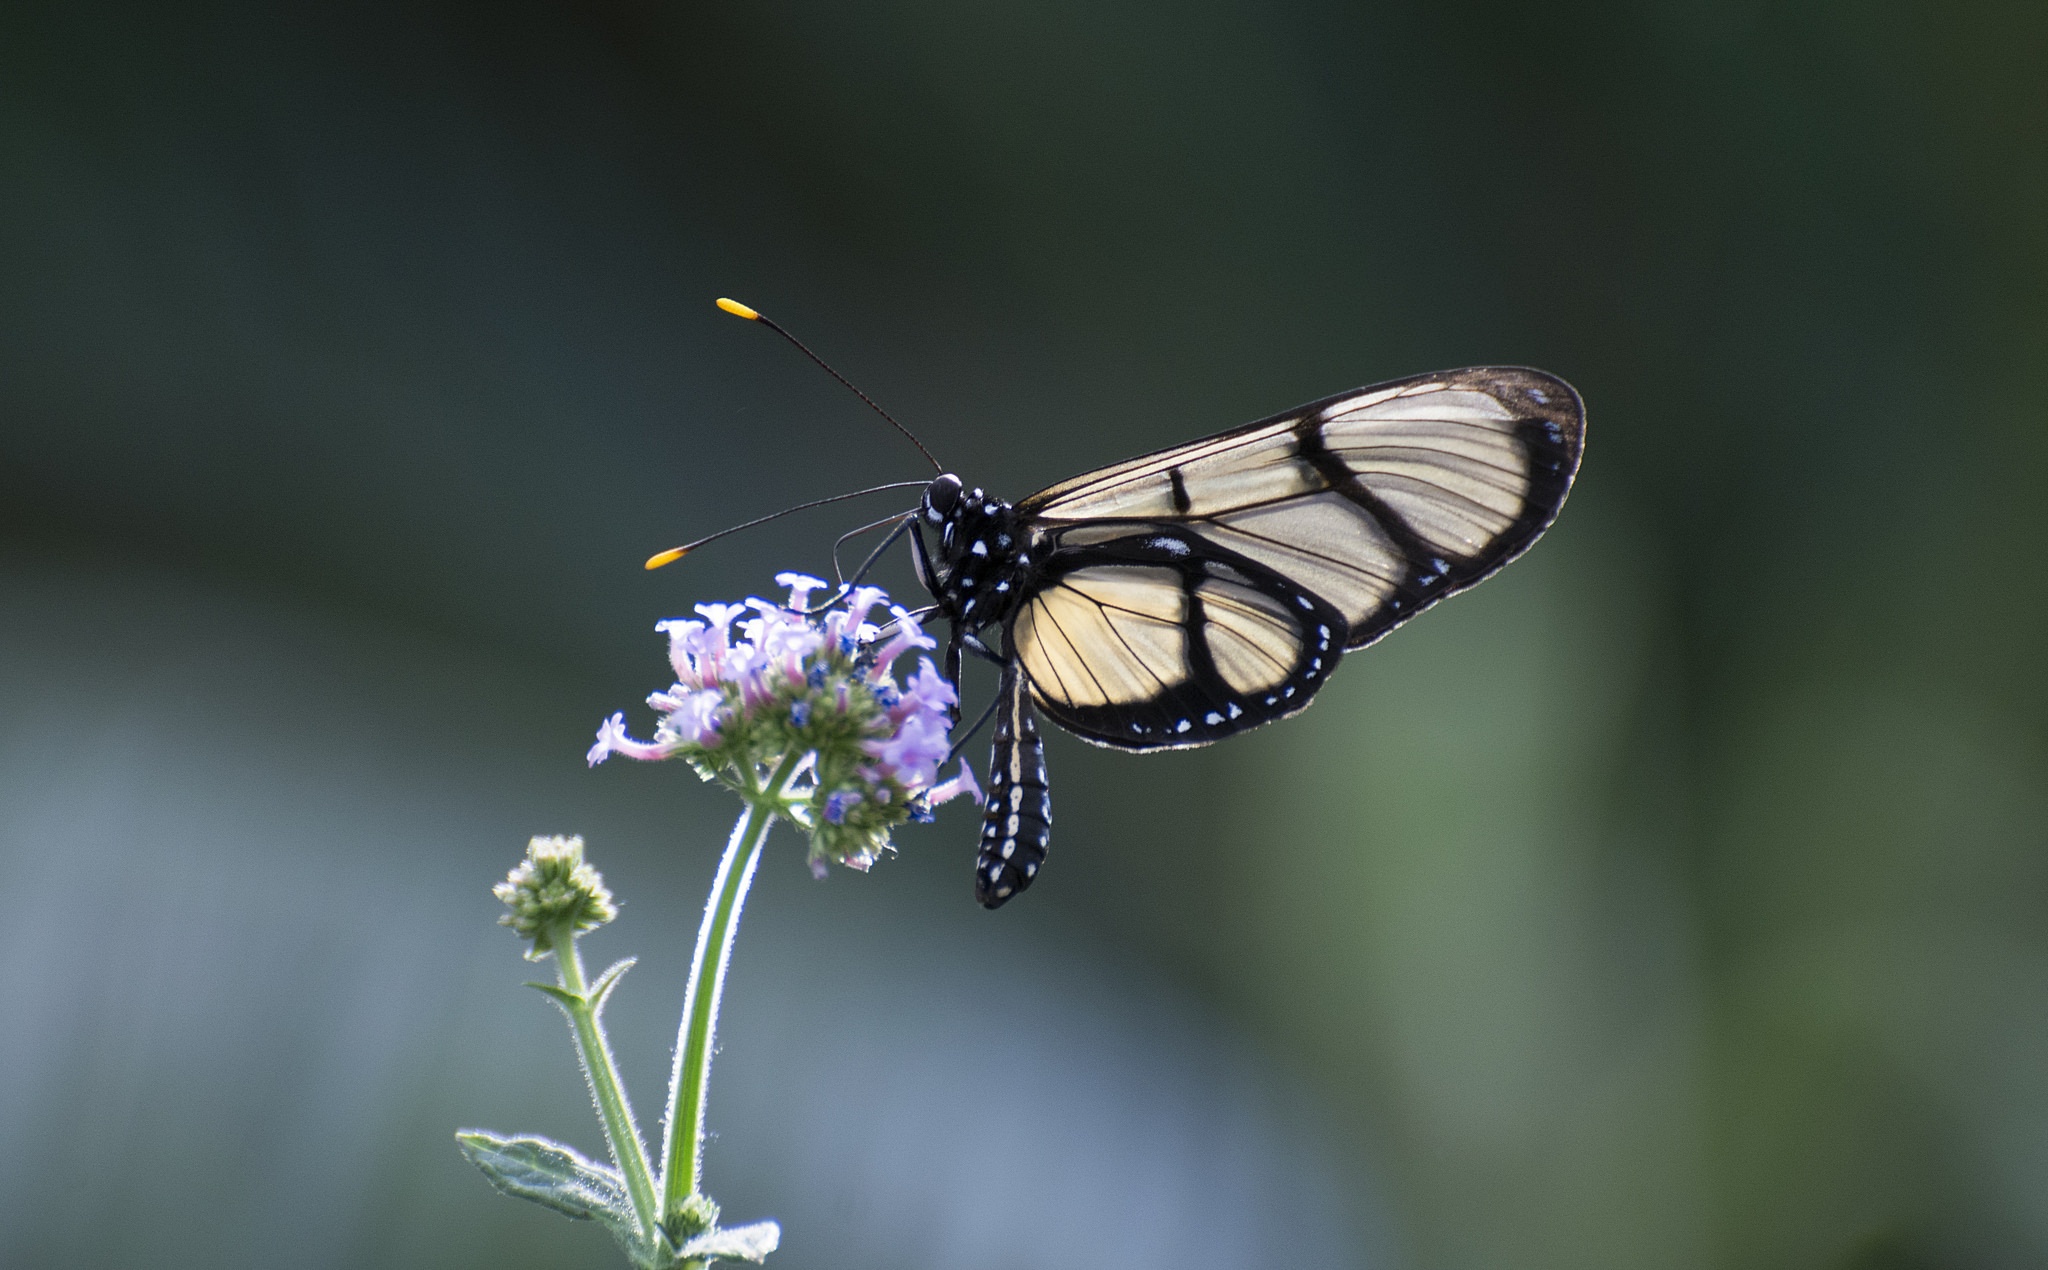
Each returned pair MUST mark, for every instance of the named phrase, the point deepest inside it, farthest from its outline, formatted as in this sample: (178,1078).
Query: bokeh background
(1676,899)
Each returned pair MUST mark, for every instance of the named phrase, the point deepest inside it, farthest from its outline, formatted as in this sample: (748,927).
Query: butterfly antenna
(674,554)
(737,309)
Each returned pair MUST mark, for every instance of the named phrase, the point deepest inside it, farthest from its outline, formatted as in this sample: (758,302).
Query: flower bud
(553,889)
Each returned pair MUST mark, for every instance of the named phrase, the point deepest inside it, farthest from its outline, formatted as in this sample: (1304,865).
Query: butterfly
(1197,592)
(1194,593)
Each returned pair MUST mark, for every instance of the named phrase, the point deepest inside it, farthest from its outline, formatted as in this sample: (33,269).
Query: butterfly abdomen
(1016,823)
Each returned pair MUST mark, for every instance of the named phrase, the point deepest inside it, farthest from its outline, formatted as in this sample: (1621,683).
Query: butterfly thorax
(980,556)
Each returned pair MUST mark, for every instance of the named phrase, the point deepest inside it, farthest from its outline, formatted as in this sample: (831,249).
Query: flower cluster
(553,892)
(757,683)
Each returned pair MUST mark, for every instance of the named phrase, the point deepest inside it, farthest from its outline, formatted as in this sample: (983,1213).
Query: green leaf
(563,997)
(735,1243)
(552,1175)
(607,981)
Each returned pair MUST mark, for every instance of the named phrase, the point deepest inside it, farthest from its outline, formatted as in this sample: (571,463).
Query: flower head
(552,892)
(757,684)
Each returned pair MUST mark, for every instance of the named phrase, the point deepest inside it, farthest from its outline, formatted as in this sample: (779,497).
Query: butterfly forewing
(1378,501)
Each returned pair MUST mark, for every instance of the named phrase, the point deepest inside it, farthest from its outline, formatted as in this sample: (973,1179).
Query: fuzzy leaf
(563,997)
(602,988)
(735,1243)
(553,1175)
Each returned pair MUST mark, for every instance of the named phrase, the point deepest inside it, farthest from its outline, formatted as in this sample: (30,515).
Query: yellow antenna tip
(670,556)
(737,309)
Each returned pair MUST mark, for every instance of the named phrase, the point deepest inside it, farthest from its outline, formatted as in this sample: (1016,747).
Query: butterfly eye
(941,497)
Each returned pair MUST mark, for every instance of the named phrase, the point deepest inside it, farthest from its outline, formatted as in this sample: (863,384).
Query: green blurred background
(1674,900)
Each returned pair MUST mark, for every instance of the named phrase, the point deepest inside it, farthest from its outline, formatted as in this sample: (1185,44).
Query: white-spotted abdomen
(1017,820)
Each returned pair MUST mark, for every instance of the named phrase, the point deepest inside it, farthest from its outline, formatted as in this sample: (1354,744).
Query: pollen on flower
(551,892)
(758,682)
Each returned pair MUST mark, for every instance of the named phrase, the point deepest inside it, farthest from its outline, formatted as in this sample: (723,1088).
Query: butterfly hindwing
(1155,638)
(1016,822)
(1380,501)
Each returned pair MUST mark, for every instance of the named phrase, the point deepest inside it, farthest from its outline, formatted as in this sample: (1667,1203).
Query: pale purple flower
(908,635)
(800,587)
(844,626)
(696,718)
(913,754)
(612,739)
(685,639)
(784,639)
(756,681)
(946,791)
(928,691)
(711,644)
(838,802)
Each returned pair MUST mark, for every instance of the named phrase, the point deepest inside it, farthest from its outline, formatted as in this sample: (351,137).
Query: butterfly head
(941,497)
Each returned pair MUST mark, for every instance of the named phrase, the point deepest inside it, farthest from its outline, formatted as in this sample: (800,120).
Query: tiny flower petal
(720,616)
(696,720)
(800,587)
(963,783)
(612,739)
(909,634)
(929,688)
(685,637)
(915,751)
(862,599)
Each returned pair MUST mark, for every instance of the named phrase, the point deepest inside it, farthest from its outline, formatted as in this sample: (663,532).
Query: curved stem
(605,1087)
(683,1139)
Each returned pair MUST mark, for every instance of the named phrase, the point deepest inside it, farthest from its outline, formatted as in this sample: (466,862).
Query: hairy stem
(605,1087)
(682,1149)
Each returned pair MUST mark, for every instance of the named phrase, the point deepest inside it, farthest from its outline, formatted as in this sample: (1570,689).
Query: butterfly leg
(1017,822)
(973,644)
(954,642)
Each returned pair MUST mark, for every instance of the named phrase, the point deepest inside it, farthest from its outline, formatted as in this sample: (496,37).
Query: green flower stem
(605,1087)
(682,1152)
